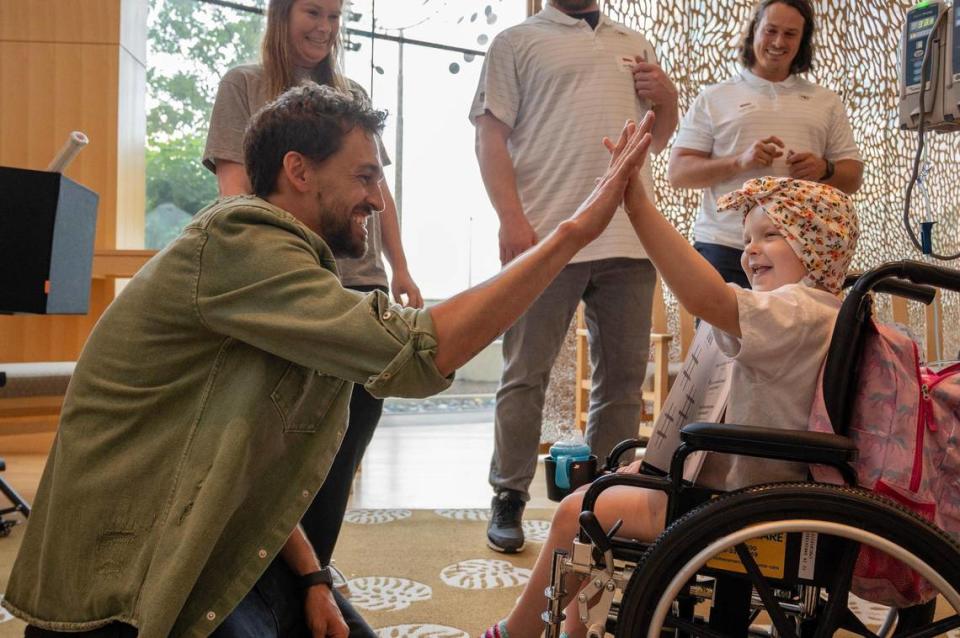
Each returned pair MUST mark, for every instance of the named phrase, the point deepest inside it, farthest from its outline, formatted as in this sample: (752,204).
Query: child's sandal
(497,631)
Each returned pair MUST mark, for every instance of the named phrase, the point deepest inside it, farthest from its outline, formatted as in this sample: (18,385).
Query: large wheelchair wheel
(668,582)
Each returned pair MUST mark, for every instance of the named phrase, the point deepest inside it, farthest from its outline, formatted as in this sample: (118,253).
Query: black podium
(47,227)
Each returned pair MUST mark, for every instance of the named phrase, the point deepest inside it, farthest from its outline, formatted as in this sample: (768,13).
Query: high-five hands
(634,195)
(627,156)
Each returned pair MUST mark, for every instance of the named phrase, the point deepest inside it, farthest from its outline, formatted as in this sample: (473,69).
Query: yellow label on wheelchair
(769,552)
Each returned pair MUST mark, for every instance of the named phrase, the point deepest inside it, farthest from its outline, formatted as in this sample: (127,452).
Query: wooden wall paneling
(80,77)
(66,87)
(79,21)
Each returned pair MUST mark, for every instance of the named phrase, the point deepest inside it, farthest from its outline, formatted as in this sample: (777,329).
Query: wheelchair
(774,559)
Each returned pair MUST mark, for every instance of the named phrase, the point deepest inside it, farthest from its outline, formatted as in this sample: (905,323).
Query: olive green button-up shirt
(203,416)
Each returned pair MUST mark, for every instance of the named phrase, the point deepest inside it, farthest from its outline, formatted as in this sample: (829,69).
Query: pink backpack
(906,424)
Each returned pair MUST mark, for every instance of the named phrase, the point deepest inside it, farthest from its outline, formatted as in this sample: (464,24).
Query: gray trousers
(618,295)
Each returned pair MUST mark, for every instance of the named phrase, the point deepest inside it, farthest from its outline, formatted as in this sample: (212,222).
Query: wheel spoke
(692,628)
(854,625)
(936,629)
(839,591)
(770,603)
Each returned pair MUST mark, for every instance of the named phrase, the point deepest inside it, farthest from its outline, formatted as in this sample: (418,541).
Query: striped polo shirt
(726,118)
(561,87)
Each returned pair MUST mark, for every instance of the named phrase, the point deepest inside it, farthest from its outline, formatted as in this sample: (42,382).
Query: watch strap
(830,169)
(320,577)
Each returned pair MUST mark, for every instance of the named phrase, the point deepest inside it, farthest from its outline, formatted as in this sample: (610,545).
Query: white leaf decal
(387,593)
(536,531)
(421,631)
(465,514)
(482,573)
(375,517)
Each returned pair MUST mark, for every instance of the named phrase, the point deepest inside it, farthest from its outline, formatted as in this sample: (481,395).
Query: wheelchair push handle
(913,273)
(899,287)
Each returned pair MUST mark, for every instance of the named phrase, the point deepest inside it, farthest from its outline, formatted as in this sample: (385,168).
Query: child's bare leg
(642,513)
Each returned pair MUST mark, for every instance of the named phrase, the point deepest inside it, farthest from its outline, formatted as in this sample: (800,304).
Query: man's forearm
(298,553)
(847,176)
(690,171)
(499,178)
(667,119)
(466,323)
(469,321)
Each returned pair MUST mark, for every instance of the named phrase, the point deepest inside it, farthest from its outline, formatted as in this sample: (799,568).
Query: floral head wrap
(818,221)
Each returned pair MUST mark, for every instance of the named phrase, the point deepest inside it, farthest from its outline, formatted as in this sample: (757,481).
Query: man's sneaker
(505,529)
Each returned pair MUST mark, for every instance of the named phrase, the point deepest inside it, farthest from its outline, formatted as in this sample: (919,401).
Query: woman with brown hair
(302,43)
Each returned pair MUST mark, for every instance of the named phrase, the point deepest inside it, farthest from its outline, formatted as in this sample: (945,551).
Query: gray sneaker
(505,529)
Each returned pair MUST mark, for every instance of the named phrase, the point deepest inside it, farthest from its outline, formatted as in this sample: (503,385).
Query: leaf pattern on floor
(420,631)
(375,517)
(484,573)
(387,593)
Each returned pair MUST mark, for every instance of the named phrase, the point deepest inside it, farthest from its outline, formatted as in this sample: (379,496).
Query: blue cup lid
(578,450)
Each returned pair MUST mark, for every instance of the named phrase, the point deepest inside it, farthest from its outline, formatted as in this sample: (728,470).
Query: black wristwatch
(320,577)
(829,172)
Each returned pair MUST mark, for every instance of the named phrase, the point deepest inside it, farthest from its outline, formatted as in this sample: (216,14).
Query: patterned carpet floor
(411,572)
(421,573)
(430,572)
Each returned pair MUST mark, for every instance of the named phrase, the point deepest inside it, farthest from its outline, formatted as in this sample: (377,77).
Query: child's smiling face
(768,260)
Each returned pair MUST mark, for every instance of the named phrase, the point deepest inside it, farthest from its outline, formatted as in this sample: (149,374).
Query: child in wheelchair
(799,239)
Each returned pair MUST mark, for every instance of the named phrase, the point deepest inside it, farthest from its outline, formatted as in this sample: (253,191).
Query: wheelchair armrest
(613,459)
(786,445)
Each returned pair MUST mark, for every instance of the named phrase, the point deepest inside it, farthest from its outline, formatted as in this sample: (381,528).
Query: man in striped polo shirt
(550,88)
(765,120)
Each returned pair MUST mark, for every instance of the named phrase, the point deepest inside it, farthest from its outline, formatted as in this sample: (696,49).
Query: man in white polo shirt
(550,88)
(766,120)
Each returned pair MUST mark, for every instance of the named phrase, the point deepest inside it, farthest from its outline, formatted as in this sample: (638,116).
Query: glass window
(190,45)
(420,60)
(425,75)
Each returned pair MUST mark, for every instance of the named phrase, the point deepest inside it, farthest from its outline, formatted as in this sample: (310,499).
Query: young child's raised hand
(634,194)
(597,210)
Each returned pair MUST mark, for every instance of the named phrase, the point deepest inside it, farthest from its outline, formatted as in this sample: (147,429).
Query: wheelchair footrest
(787,445)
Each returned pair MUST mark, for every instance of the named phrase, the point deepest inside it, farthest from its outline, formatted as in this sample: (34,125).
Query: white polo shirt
(562,86)
(728,117)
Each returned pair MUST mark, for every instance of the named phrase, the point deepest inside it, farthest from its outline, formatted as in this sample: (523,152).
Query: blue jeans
(274,609)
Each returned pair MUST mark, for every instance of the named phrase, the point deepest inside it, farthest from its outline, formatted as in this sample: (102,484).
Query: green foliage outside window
(192,44)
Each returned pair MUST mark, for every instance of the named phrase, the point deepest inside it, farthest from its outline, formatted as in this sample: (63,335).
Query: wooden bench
(33,394)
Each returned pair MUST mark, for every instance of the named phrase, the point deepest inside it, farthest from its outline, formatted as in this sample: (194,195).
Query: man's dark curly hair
(309,119)
(803,61)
